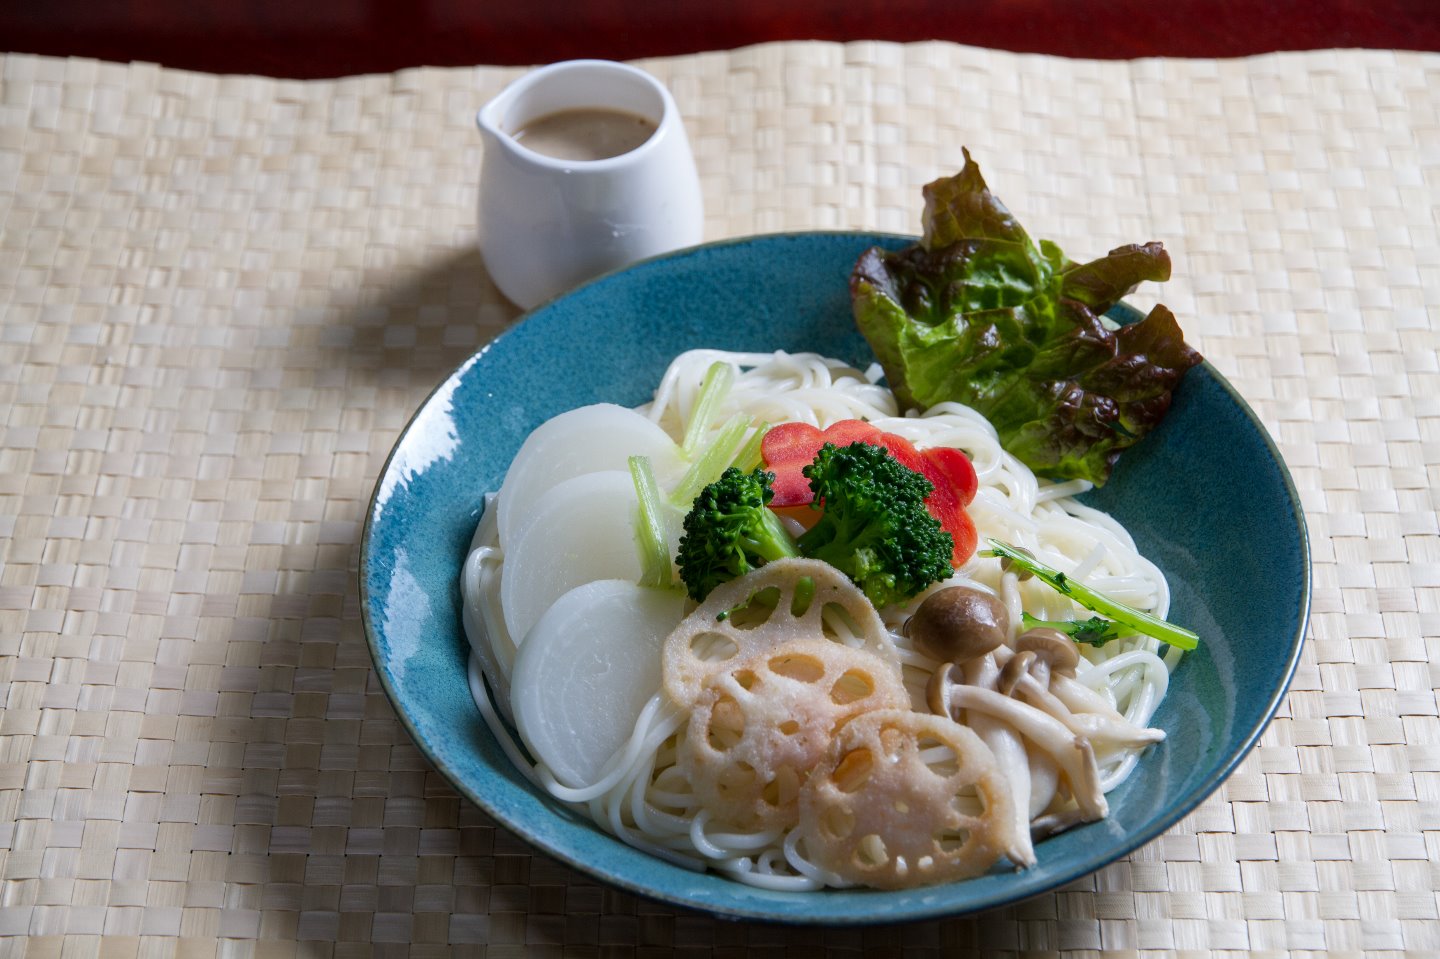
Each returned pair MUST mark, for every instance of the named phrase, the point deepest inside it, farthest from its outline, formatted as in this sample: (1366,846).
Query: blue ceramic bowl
(1206,497)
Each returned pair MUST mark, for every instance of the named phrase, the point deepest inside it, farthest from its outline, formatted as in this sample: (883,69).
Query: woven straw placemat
(223,297)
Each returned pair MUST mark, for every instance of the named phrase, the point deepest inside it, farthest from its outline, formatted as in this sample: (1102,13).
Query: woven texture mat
(223,298)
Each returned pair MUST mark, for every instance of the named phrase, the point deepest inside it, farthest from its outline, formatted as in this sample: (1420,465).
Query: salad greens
(978,313)
(1138,620)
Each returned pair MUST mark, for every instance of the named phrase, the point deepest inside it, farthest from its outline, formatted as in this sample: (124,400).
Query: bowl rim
(1084,866)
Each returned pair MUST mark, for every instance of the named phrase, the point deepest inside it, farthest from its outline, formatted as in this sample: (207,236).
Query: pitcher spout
(487,121)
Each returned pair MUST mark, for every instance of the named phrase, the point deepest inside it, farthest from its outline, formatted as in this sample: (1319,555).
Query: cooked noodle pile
(642,797)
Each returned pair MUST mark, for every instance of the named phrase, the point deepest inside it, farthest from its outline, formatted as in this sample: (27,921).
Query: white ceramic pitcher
(548,224)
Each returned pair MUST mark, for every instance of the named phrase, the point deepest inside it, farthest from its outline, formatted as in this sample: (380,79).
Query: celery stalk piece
(749,456)
(1138,620)
(655,568)
(712,461)
(713,390)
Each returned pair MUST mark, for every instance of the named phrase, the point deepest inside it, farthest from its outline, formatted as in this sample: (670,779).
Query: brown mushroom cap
(1008,565)
(1018,666)
(1053,646)
(957,623)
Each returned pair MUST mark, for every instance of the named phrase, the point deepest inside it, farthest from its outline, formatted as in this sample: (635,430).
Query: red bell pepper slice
(789,447)
(947,501)
(845,432)
(957,469)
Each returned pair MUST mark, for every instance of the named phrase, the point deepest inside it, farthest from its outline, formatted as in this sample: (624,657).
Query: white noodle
(640,794)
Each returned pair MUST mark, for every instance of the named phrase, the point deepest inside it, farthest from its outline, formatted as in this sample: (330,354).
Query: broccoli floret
(729,532)
(875,527)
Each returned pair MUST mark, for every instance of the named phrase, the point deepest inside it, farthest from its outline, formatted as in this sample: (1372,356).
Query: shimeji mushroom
(1010,753)
(1045,654)
(1074,754)
(1044,782)
(1055,822)
(1041,653)
(1081,698)
(963,627)
(957,624)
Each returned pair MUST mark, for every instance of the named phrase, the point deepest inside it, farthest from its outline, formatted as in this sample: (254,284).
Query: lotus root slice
(761,726)
(888,809)
(708,642)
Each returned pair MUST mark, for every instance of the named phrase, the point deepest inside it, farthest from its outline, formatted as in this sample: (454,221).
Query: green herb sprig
(1138,620)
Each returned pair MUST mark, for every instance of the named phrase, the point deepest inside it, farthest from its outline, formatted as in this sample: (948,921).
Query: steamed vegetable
(713,390)
(584,440)
(790,447)
(585,672)
(979,314)
(710,456)
(718,454)
(874,526)
(580,531)
(1138,620)
(729,531)
(650,525)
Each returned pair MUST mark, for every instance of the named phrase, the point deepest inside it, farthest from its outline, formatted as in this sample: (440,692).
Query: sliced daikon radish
(580,531)
(584,440)
(586,670)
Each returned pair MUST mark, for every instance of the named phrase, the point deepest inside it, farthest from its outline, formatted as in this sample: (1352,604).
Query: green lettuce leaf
(978,313)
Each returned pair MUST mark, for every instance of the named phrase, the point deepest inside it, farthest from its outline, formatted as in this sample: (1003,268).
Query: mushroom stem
(1101,730)
(1056,822)
(1019,665)
(1073,753)
(1044,780)
(1011,756)
(1043,771)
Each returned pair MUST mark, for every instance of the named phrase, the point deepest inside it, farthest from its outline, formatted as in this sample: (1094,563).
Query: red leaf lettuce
(979,314)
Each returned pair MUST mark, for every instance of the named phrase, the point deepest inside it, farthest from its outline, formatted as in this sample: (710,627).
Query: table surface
(329,38)
(222,297)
